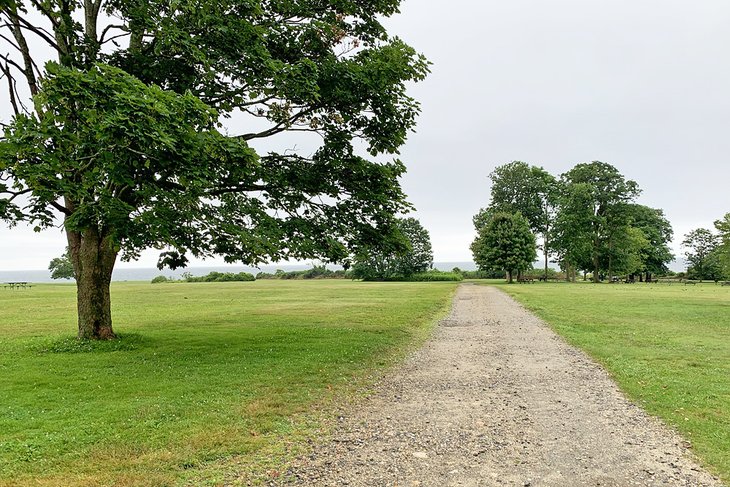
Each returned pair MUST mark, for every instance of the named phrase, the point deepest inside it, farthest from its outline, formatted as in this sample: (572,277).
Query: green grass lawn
(667,346)
(207,381)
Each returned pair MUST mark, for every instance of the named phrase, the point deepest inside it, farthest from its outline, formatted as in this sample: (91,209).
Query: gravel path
(496,398)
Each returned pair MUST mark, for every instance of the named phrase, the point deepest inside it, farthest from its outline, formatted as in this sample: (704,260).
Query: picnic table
(17,285)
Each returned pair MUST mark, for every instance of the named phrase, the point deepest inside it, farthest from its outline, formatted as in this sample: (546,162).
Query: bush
(482,274)
(221,277)
(316,272)
(435,276)
(432,275)
(160,279)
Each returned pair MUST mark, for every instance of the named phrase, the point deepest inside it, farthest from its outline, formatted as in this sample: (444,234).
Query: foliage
(61,267)
(431,276)
(124,141)
(210,277)
(702,254)
(723,250)
(531,191)
(316,272)
(505,244)
(657,232)
(222,277)
(668,347)
(223,399)
(594,216)
(375,264)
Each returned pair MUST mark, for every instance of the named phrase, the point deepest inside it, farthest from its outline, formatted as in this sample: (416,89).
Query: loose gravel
(496,398)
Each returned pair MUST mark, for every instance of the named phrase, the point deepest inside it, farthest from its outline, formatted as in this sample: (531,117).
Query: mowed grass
(209,382)
(667,346)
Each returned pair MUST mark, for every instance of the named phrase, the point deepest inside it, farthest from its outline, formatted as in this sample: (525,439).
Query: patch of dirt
(496,398)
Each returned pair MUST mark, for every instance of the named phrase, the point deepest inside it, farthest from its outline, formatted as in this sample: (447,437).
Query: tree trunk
(509,276)
(93,256)
(545,246)
(610,269)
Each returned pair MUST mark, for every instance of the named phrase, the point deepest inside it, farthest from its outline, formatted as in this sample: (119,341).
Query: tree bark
(93,256)
(509,276)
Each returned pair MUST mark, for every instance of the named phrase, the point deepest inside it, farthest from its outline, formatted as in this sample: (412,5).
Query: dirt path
(496,398)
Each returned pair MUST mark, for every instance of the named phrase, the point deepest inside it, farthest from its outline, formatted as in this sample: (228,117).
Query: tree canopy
(594,215)
(529,190)
(394,263)
(505,244)
(723,227)
(61,267)
(123,138)
(587,219)
(702,254)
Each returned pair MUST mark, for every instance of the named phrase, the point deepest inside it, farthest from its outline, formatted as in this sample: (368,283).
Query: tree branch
(103,39)
(11,80)
(278,128)
(61,208)
(19,22)
(47,13)
(27,59)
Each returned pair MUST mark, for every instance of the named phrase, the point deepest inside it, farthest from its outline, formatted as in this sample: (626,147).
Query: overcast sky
(643,85)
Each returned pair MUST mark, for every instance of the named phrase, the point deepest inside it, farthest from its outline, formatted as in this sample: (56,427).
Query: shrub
(487,274)
(432,275)
(160,279)
(435,276)
(221,277)
(316,272)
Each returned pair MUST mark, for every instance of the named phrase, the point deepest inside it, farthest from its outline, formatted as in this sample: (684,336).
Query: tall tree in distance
(600,195)
(723,227)
(529,190)
(122,140)
(655,254)
(701,253)
(505,244)
(572,239)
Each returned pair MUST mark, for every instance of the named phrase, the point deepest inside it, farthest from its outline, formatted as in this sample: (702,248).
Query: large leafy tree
(529,190)
(505,244)
(393,263)
(702,254)
(655,253)
(723,250)
(594,215)
(122,140)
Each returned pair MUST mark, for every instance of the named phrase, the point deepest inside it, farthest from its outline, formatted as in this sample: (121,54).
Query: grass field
(208,381)
(667,346)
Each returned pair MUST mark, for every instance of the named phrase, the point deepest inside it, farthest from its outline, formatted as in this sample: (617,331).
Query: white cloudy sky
(643,85)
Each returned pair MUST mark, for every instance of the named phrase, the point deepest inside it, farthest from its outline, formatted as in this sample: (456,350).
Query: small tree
(505,243)
(701,254)
(62,267)
(393,264)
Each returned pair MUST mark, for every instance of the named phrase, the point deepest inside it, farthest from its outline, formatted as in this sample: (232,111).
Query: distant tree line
(587,220)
